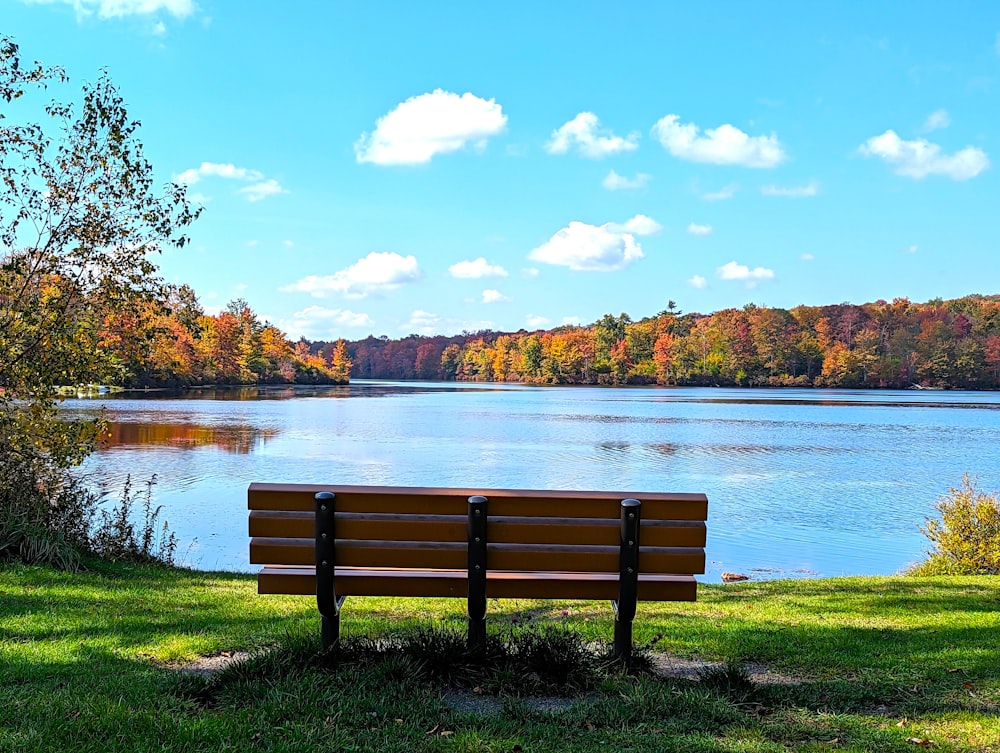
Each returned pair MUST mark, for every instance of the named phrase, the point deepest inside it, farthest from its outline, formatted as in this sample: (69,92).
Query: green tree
(80,220)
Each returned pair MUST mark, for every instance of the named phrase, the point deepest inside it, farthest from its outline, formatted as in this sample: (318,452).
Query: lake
(801,483)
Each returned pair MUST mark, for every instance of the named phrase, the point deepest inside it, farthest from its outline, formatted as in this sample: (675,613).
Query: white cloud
(937,119)
(615,182)
(642,225)
(912,250)
(422,323)
(471,270)
(262,190)
(726,192)
(584,133)
(530,272)
(589,248)
(287,243)
(218,170)
(698,282)
(725,145)
(494,296)
(536,322)
(379,271)
(261,187)
(121,8)
(734,271)
(807,257)
(436,123)
(159,29)
(810,189)
(319,323)
(919,158)
(695,229)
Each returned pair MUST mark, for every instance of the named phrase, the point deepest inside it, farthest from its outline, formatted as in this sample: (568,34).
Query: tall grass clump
(966,538)
(48,516)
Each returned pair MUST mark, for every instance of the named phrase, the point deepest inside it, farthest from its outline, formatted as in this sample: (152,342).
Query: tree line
(173,342)
(952,344)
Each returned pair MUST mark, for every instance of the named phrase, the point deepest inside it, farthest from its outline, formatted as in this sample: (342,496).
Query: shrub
(967,537)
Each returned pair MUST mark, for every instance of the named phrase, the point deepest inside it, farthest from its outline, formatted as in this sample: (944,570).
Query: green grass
(84,665)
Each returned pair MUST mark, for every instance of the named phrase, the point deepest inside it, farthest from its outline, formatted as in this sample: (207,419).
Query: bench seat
(371,581)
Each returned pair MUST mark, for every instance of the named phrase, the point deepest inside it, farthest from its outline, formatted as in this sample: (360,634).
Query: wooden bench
(340,541)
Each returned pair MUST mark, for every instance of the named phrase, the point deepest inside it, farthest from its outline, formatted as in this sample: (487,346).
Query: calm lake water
(800,482)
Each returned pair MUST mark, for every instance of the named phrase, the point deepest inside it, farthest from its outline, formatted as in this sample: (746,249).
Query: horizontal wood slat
(453,583)
(503,502)
(502,530)
(527,557)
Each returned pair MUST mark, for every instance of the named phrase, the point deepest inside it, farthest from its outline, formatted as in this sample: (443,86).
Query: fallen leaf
(433,730)
(968,685)
(446,733)
(956,669)
(834,741)
(922,741)
(902,722)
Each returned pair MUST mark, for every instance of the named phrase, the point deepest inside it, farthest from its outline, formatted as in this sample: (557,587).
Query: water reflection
(237,439)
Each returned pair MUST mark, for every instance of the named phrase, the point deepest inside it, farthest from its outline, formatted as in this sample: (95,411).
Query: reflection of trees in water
(238,439)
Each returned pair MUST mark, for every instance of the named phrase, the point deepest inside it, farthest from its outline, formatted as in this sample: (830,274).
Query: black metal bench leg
(628,579)
(623,641)
(326,595)
(477,572)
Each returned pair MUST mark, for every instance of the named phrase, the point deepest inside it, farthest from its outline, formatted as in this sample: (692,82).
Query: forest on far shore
(952,344)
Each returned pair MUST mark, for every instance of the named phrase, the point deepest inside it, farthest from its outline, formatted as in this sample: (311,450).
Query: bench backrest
(428,528)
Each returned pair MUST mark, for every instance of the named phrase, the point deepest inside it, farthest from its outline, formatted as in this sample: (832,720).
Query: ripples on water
(799,482)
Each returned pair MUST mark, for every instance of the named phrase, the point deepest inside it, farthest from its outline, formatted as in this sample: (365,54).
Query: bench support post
(477,572)
(326,595)
(628,579)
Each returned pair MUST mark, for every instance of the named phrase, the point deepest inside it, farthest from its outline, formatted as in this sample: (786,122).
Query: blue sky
(396,168)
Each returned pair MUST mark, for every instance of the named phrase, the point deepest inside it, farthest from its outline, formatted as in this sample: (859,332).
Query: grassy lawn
(885,664)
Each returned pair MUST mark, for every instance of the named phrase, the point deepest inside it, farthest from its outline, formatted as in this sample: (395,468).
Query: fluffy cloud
(642,225)
(698,282)
(494,296)
(726,192)
(260,187)
(695,229)
(725,145)
(379,271)
(615,182)
(121,8)
(422,323)
(318,323)
(937,119)
(919,158)
(589,248)
(536,322)
(810,189)
(807,257)
(436,123)
(584,133)
(734,271)
(472,270)
(262,190)
(218,170)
